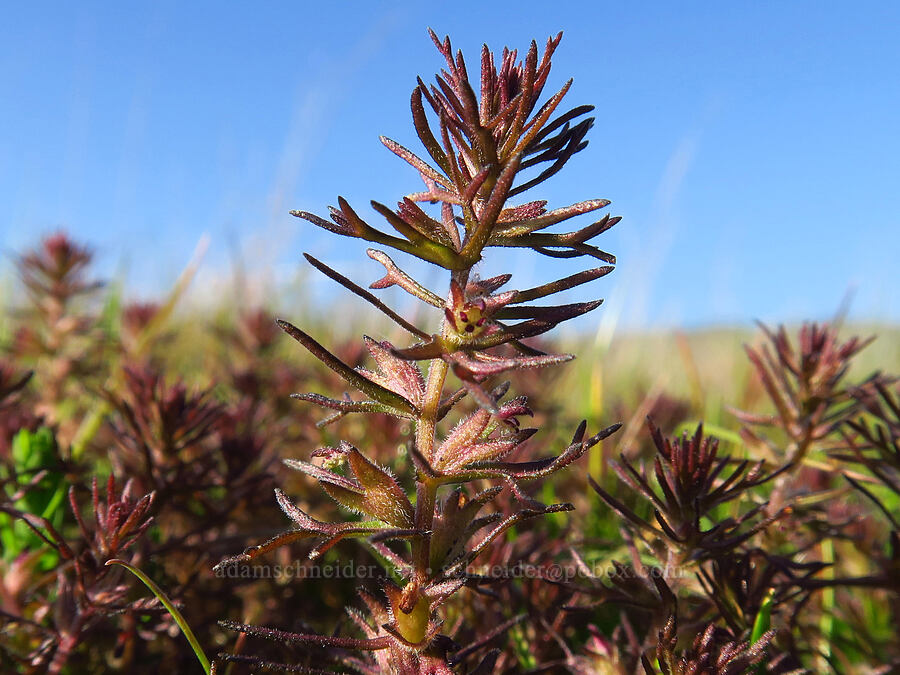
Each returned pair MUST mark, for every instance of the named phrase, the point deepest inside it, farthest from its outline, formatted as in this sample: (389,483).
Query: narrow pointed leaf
(384,498)
(350,406)
(420,165)
(374,391)
(516,229)
(548,313)
(562,284)
(364,294)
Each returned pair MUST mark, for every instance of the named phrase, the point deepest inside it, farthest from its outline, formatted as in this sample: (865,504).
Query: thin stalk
(425,425)
(426,490)
(171,608)
(826,622)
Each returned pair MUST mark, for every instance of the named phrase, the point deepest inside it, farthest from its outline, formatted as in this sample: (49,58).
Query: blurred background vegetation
(192,402)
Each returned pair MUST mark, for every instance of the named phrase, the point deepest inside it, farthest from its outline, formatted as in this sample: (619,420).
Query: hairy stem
(426,491)
(425,425)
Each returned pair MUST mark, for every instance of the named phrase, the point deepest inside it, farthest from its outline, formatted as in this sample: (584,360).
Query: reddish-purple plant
(58,340)
(805,384)
(486,138)
(86,592)
(693,480)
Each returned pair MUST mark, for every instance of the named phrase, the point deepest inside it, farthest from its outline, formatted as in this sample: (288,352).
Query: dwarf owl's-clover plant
(486,143)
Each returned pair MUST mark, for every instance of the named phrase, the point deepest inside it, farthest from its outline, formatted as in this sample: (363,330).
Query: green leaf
(31,453)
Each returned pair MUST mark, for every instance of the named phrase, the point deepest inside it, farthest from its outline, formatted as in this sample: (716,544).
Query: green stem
(426,490)
(826,622)
(425,425)
(171,608)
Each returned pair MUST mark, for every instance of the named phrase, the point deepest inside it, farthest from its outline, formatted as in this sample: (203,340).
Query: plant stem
(426,490)
(171,608)
(425,425)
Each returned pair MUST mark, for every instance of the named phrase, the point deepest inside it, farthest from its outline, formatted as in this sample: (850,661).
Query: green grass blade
(763,620)
(170,607)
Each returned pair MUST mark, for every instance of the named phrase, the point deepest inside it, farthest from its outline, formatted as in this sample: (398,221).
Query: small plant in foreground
(487,137)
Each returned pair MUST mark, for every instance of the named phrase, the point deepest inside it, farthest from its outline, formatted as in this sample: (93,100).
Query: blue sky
(753,149)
